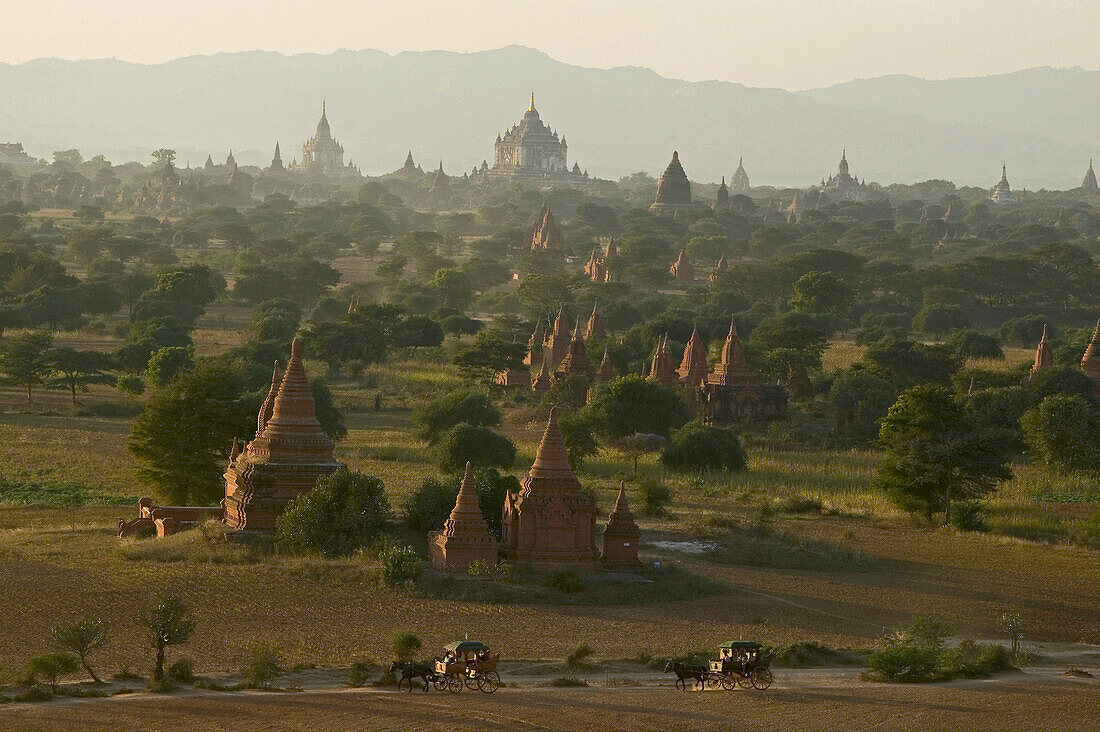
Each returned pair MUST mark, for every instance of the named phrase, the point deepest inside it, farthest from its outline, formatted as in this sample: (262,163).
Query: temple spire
(532,107)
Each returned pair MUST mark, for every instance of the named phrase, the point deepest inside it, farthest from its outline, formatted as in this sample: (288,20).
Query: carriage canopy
(465,646)
(740,645)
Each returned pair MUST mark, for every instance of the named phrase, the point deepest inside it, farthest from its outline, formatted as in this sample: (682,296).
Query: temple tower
(1089,183)
(1002,192)
(550,523)
(731,369)
(722,197)
(545,233)
(287,457)
(621,536)
(607,368)
(541,383)
(276,162)
(1090,362)
(739,183)
(595,327)
(559,340)
(682,270)
(693,368)
(661,369)
(576,359)
(465,536)
(1044,356)
(535,346)
(673,188)
(720,268)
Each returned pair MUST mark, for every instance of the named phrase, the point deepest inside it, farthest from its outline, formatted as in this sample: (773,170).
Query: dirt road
(802,700)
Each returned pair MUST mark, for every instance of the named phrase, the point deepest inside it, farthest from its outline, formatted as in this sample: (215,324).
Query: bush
(401,565)
(565,581)
(1063,432)
(578,659)
(654,496)
(799,505)
(566,682)
(405,645)
(630,404)
(130,384)
(970,344)
(697,447)
(904,663)
(346,511)
(432,418)
(479,446)
(263,665)
(358,675)
(52,667)
(182,670)
(968,516)
(429,505)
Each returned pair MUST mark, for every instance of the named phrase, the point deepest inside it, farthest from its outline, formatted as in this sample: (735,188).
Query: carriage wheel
(470,681)
(762,678)
(712,680)
(728,682)
(454,684)
(745,682)
(439,681)
(488,681)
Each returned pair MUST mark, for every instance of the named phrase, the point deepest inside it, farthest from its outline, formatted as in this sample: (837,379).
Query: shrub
(168,622)
(655,497)
(799,505)
(405,645)
(81,639)
(432,418)
(968,516)
(903,663)
(479,446)
(263,665)
(401,565)
(578,659)
(698,447)
(130,384)
(429,505)
(1063,432)
(346,511)
(52,667)
(565,581)
(566,682)
(182,670)
(630,404)
(358,675)
(970,344)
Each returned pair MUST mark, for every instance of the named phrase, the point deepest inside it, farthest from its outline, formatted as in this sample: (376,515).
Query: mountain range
(450,106)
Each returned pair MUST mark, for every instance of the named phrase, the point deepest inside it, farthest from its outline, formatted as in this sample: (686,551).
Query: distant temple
(531,150)
(276,162)
(682,270)
(324,155)
(410,168)
(1044,356)
(544,233)
(844,185)
(1089,183)
(673,189)
(464,538)
(1002,192)
(733,394)
(13,154)
(550,523)
(739,183)
(661,368)
(722,197)
(1090,362)
(597,266)
(621,536)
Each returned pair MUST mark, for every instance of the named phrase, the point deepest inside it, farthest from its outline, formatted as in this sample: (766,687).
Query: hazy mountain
(616,121)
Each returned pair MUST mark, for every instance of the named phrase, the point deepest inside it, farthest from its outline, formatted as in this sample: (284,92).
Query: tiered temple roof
(621,536)
(595,328)
(673,188)
(739,183)
(722,197)
(1044,355)
(1089,183)
(550,523)
(1002,192)
(576,359)
(693,368)
(558,345)
(542,382)
(545,233)
(723,265)
(607,368)
(535,346)
(465,537)
(731,368)
(288,455)
(661,368)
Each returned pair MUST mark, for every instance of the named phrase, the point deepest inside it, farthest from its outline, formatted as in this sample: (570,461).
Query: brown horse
(410,670)
(686,671)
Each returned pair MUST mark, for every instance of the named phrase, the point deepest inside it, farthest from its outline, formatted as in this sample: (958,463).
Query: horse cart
(741,663)
(467,663)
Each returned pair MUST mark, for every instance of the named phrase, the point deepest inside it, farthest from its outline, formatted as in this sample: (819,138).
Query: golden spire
(532,107)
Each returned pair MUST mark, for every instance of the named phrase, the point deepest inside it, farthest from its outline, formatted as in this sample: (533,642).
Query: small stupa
(620,536)
(465,537)
(607,368)
(558,344)
(595,328)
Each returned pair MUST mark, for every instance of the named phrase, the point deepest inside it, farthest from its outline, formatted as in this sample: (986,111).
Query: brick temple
(550,523)
(621,536)
(465,537)
(289,453)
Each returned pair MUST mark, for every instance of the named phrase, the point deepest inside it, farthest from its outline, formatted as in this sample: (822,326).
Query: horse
(410,670)
(686,671)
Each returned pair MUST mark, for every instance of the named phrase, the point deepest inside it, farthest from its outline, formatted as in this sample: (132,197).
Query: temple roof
(322,124)
(1089,183)
(1044,354)
(551,457)
(673,186)
(1090,362)
(292,433)
(621,519)
(693,367)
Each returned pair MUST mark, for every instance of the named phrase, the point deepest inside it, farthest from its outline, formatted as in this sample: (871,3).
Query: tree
(630,404)
(73,369)
(164,157)
(697,447)
(435,416)
(183,434)
(429,505)
(453,287)
(935,454)
(479,446)
(53,666)
(82,639)
(169,622)
(165,363)
(904,363)
(1012,625)
(577,434)
(487,354)
(938,320)
(344,512)
(337,344)
(859,401)
(823,293)
(971,344)
(405,645)
(71,156)
(417,331)
(1063,432)
(27,360)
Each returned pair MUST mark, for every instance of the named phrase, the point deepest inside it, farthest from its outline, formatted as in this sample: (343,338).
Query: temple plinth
(621,536)
(465,537)
(288,455)
(550,523)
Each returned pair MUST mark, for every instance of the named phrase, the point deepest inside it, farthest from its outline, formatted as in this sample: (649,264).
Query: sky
(791,44)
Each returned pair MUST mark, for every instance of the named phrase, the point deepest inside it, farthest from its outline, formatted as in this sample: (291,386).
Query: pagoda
(660,368)
(535,346)
(720,268)
(1002,192)
(541,383)
(465,537)
(621,536)
(1089,183)
(722,197)
(739,183)
(607,368)
(595,328)
(441,183)
(276,162)
(1090,362)
(682,270)
(550,523)
(544,233)
(576,359)
(673,189)
(559,340)
(733,394)
(288,455)
(1044,356)
(693,367)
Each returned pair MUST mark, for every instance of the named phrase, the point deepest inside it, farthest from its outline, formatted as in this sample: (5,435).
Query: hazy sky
(793,44)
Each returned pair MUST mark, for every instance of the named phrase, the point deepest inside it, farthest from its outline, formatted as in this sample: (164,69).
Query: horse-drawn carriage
(739,663)
(467,663)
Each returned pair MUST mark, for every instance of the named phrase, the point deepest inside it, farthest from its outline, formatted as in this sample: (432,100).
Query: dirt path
(807,699)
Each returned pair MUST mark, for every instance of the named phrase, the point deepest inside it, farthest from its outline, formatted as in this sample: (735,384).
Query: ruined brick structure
(661,369)
(1044,356)
(733,395)
(682,270)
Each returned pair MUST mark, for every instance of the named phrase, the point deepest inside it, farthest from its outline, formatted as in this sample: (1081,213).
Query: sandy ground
(799,700)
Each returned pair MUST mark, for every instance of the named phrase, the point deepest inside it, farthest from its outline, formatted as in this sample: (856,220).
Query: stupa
(1044,356)
(535,346)
(465,537)
(733,394)
(673,188)
(1090,362)
(550,523)
(607,368)
(576,359)
(621,536)
(682,270)
(595,328)
(559,340)
(288,455)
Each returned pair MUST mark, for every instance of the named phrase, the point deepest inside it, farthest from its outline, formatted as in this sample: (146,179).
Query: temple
(576,359)
(276,162)
(544,233)
(531,151)
(621,536)
(739,183)
(1044,356)
(673,189)
(843,185)
(464,538)
(1090,362)
(550,523)
(289,453)
(693,367)
(324,155)
(597,267)
(13,154)
(722,197)
(594,328)
(682,270)
(661,369)
(1089,183)
(732,393)
(1002,192)
(558,343)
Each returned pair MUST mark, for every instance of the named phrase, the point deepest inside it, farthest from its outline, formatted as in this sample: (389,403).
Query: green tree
(630,404)
(859,401)
(938,320)
(77,370)
(344,512)
(696,447)
(433,417)
(453,287)
(53,666)
(405,645)
(904,363)
(27,360)
(164,157)
(1063,432)
(82,639)
(337,344)
(823,293)
(479,446)
(487,354)
(417,331)
(935,454)
(168,622)
(182,436)
(971,344)
(165,363)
